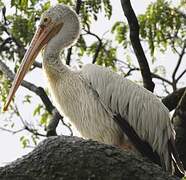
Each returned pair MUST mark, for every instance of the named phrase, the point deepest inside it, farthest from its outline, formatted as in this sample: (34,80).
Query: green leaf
(120,30)
(27,99)
(46,6)
(44,118)
(23,4)
(37,110)
(24,141)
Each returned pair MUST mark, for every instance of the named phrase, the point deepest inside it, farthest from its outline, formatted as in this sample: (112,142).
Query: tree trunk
(179,120)
(72,158)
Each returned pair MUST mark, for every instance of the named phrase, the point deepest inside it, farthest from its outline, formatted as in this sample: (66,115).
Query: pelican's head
(59,27)
(63,24)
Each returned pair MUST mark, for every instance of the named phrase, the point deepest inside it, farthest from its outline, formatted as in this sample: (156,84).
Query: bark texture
(179,120)
(171,101)
(72,158)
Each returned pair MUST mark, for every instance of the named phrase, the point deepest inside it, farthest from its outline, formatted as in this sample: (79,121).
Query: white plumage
(92,96)
(95,99)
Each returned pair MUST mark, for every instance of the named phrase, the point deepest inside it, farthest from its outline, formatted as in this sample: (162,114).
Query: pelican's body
(74,97)
(103,105)
(91,97)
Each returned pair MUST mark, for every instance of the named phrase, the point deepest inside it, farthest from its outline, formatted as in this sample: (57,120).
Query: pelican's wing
(143,118)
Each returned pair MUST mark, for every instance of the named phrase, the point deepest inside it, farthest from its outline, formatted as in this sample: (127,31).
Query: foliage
(120,29)
(107,55)
(162,26)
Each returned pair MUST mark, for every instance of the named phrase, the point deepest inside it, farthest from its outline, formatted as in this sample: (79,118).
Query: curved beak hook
(40,39)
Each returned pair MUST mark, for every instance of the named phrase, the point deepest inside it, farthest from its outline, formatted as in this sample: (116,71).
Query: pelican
(102,105)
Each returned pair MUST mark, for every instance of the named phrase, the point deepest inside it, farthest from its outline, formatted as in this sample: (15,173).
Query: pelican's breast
(74,99)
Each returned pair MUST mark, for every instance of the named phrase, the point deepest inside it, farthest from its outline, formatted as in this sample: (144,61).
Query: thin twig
(181,106)
(12,131)
(161,78)
(177,66)
(180,76)
(131,70)
(93,34)
(26,125)
(34,131)
(165,87)
(134,68)
(99,46)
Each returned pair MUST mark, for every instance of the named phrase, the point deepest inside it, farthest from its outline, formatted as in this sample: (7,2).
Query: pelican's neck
(52,62)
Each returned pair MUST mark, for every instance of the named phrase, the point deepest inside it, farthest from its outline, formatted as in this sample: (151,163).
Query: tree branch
(37,90)
(51,128)
(171,101)
(6,41)
(5,22)
(130,70)
(179,121)
(134,36)
(180,76)
(78,6)
(177,66)
(69,53)
(12,131)
(99,46)
(161,78)
(77,9)
(34,131)
(26,126)
(17,42)
(181,105)
(73,158)
(134,68)
(37,64)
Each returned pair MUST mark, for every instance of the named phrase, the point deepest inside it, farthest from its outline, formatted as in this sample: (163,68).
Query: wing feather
(136,107)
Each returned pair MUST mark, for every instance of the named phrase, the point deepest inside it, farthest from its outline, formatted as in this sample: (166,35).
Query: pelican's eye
(46,20)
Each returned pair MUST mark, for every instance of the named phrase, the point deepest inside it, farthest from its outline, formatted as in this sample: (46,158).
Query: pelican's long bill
(40,39)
